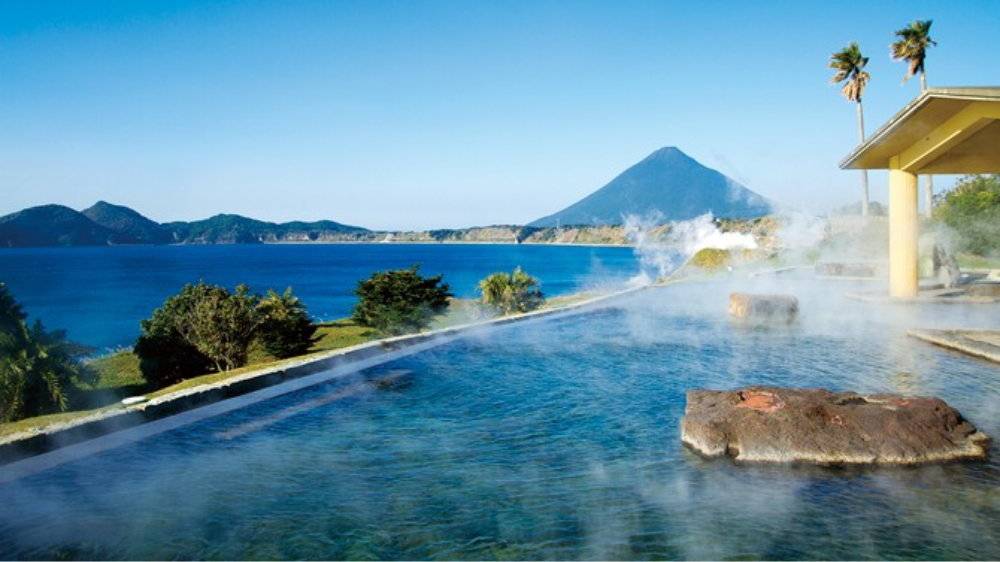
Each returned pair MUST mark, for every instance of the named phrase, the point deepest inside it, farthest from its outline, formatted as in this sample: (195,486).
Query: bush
(37,367)
(400,301)
(511,293)
(206,327)
(287,328)
(972,209)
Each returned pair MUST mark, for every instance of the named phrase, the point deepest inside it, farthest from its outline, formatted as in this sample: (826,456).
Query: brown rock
(767,424)
(767,308)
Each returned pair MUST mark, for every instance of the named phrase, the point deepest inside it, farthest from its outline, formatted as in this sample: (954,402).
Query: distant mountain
(667,182)
(106,224)
(221,229)
(234,229)
(127,226)
(51,225)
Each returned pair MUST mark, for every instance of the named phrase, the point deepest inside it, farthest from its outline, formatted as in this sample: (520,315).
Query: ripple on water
(549,440)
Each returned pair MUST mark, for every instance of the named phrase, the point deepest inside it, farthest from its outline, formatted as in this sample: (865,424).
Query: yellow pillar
(903,259)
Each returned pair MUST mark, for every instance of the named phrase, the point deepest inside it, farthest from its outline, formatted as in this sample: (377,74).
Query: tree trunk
(864,173)
(928,183)
(928,196)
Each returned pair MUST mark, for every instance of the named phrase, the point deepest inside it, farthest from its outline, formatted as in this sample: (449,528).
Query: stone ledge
(984,344)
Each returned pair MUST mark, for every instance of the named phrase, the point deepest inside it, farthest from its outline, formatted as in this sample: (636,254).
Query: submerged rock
(833,269)
(764,308)
(767,424)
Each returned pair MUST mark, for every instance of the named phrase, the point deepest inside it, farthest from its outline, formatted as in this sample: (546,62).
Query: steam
(702,232)
(801,230)
(661,250)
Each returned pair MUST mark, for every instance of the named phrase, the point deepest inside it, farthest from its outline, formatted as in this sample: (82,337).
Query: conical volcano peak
(667,183)
(667,152)
(669,156)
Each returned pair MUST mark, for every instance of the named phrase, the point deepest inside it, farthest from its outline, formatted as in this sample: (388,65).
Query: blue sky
(442,114)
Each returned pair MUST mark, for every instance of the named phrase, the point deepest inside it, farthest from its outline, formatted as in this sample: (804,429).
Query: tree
(914,40)
(287,328)
(972,209)
(850,67)
(511,293)
(400,301)
(204,326)
(37,367)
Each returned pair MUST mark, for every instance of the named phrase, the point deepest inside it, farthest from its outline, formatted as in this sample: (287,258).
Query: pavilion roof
(942,131)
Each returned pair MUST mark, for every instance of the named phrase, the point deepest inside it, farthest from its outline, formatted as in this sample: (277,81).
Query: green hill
(51,225)
(127,226)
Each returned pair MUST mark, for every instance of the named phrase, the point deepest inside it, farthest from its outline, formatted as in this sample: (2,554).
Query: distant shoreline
(344,243)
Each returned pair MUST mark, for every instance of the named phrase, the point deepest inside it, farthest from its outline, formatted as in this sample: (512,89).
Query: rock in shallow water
(767,424)
(763,308)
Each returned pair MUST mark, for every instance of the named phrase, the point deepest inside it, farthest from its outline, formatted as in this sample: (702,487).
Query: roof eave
(852,161)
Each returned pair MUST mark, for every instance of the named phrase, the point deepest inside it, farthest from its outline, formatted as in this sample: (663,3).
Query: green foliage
(511,293)
(850,67)
(37,367)
(400,301)
(711,259)
(207,327)
(287,328)
(914,40)
(972,209)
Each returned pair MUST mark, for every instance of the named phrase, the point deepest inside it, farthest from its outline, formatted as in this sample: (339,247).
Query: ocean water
(99,295)
(552,440)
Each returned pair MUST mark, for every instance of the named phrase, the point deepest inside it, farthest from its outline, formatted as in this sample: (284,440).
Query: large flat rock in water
(767,424)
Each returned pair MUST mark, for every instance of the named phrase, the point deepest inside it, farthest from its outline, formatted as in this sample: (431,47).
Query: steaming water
(554,439)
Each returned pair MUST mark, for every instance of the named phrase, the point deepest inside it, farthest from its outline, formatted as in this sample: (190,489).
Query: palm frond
(849,64)
(914,40)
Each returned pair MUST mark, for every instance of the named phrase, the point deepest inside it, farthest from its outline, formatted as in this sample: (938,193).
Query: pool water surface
(552,439)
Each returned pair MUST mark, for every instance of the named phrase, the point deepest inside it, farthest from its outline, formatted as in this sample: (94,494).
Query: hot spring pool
(554,439)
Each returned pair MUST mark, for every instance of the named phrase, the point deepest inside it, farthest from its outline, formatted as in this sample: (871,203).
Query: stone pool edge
(969,342)
(35,441)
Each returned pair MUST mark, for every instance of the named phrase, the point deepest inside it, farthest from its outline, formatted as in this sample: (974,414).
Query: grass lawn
(968,261)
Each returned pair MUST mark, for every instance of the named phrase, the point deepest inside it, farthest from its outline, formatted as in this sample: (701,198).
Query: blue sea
(99,295)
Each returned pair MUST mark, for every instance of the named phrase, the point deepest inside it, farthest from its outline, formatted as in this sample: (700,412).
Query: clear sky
(418,114)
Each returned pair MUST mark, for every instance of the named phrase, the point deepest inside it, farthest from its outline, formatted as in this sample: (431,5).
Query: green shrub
(37,367)
(511,293)
(206,327)
(972,209)
(287,328)
(400,301)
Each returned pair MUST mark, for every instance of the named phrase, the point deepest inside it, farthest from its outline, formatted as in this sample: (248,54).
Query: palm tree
(37,367)
(914,40)
(511,293)
(850,67)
